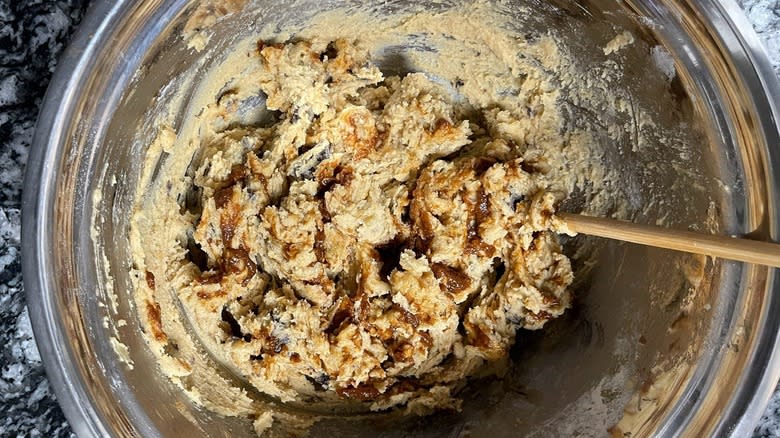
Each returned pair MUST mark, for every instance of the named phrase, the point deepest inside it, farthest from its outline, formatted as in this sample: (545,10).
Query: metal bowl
(647,350)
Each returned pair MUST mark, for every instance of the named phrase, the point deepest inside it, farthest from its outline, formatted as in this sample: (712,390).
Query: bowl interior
(644,320)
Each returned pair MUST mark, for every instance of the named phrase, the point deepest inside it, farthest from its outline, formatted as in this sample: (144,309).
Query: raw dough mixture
(372,240)
(369,245)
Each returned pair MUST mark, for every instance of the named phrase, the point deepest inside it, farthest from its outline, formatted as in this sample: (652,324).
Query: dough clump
(369,243)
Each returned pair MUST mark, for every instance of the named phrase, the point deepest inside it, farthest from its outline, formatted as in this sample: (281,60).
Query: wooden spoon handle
(744,250)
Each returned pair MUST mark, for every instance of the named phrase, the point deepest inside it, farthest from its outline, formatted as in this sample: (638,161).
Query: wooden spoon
(732,248)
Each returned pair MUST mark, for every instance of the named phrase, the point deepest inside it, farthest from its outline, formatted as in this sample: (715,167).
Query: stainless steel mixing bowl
(648,349)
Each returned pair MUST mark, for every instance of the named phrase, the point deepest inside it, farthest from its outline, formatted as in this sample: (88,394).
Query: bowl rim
(757,387)
(38,200)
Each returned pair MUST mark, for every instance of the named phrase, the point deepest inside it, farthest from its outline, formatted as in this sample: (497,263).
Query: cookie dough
(369,244)
(347,240)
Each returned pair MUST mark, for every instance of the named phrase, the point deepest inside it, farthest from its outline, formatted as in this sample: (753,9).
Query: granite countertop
(33,34)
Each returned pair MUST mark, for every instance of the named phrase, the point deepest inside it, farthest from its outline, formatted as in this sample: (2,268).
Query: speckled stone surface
(33,33)
(32,36)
